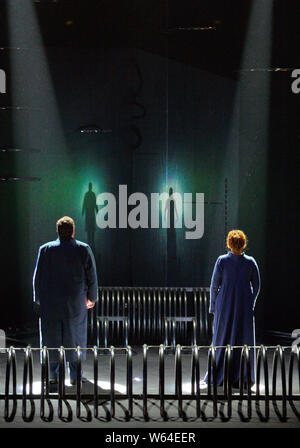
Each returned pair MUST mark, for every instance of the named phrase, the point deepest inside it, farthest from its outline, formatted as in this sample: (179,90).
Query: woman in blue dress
(235,285)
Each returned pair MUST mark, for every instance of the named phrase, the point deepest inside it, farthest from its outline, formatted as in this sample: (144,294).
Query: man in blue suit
(65,286)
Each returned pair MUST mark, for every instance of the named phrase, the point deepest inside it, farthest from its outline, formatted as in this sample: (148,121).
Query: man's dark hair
(65,227)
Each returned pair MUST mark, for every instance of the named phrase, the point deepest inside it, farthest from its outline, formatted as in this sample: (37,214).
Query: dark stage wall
(168,125)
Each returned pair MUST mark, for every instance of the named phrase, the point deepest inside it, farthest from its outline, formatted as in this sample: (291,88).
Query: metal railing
(125,315)
(272,390)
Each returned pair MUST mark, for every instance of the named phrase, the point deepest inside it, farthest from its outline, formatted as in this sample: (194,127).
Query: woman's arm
(215,285)
(255,282)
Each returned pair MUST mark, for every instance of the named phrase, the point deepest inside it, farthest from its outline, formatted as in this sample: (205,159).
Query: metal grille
(275,388)
(126,315)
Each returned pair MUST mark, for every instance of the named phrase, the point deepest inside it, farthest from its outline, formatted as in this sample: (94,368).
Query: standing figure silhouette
(171,216)
(89,209)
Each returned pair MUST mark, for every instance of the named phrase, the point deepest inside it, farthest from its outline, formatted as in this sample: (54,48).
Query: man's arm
(215,284)
(91,276)
(37,276)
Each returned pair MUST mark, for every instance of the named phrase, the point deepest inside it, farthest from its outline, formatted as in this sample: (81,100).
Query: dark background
(177,110)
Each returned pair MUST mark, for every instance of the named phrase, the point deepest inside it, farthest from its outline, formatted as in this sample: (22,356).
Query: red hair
(236,240)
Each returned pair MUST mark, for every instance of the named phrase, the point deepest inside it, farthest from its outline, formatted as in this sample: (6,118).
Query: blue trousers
(68,333)
(54,370)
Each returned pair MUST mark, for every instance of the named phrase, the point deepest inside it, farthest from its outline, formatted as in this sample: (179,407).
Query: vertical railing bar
(266,379)
(102,301)
(145,382)
(249,391)
(166,339)
(150,313)
(139,314)
(96,397)
(199,313)
(28,373)
(125,324)
(129,381)
(214,377)
(262,354)
(25,377)
(112,381)
(173,301)
(105,324)
(45,387)
(10,364)
(279,353)
(165,310)
(170,313)
(209,371)
(133,314)
(98,332)
(178,379)
(43,383)
(107,304)
(160,327)
(78,384)
(128,301)
(283,382)
(229,380)
(295,351)
(245,359)
(162,380)
(123,314)
(61,380)
(180,313)
(173,335)
(196,376)
(194,332)
(185,315)
(205,304)
(144,331)
(154,320)
(117,314)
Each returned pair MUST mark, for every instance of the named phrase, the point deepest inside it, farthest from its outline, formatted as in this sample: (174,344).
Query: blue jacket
(64,278)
